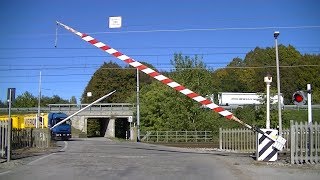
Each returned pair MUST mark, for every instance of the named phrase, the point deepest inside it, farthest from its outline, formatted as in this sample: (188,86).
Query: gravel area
(249,159)
(25,155)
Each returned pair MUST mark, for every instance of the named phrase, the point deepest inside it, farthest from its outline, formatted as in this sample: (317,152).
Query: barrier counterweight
(265,149)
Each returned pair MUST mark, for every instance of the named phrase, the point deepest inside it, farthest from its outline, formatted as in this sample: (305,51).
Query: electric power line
(163,68)
(151,47)
(95,56)
(207,29)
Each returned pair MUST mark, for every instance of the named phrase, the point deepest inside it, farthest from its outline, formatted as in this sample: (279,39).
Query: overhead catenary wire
(159,67)
(193,29)
(150,47)
(141,55)
(206,29)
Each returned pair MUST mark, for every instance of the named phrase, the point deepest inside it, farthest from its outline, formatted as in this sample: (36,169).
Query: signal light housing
(299,98)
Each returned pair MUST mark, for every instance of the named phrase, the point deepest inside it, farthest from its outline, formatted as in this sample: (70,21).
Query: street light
(268,80)
(276,34)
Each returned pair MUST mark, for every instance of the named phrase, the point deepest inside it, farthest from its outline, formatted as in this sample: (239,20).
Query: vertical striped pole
(165,80)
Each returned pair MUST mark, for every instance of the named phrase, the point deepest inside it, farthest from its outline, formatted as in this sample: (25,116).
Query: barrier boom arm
(165,80)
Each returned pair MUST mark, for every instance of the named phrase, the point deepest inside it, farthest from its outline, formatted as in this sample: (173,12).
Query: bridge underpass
(103,127)
(110,119)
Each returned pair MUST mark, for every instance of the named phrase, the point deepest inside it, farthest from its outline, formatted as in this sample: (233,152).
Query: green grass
(299,116)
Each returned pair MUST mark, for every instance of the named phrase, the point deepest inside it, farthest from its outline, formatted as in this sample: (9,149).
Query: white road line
(3,173)
(65,146)
(32,162)
(63,149)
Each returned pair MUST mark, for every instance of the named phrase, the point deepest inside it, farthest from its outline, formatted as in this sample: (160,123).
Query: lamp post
(276,34)
(268,80)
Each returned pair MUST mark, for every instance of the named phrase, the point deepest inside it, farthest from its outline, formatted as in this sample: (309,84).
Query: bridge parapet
(96,107)
(103,108)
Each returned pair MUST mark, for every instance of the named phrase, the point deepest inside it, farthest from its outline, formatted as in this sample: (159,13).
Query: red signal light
(299,98)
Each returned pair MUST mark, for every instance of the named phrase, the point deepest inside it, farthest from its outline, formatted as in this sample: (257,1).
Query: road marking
(3,173)
(32,162)
(65,146)
(63,149)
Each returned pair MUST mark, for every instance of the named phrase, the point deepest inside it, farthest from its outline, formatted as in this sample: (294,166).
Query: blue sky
(217,30)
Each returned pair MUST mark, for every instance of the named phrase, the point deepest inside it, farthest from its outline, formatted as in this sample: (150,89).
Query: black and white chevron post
(265,149)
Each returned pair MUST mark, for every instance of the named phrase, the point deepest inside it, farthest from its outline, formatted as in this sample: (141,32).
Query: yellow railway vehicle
(62,131)
(17,120)
(29,120)
(22,121)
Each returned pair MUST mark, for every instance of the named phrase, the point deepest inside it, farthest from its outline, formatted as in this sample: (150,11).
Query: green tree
(25,100)
(55,99)
(3,104)
(247,75)
(73,100)
(111,76)
(107,78)
(163,108)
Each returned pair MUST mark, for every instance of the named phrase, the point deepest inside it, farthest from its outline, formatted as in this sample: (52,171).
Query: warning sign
(115,22)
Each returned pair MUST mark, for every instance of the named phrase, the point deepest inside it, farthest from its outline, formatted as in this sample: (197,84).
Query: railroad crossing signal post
(138,108)
(309,104)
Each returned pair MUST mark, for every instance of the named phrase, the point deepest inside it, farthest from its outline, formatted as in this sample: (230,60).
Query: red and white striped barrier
(161,78)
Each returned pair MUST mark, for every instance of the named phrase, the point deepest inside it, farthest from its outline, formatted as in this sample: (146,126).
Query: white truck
(238,98)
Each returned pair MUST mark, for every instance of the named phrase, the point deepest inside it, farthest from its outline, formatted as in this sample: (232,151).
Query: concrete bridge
(107,113)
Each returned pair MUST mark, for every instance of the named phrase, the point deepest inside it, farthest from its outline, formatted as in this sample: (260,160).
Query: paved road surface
(99,158)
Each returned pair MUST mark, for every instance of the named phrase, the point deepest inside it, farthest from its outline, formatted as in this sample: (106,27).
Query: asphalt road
(99,158)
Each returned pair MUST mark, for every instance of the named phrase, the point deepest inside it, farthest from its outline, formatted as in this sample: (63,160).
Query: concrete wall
(80,123)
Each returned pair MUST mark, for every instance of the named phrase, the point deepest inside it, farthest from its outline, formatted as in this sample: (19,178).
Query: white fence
(240,140)
(305,143)
(178,136)
(3,137)
(243,140)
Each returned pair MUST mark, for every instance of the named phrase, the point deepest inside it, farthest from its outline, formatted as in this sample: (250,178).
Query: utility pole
(39,99)
(10,97)
(138,108)
(276,34)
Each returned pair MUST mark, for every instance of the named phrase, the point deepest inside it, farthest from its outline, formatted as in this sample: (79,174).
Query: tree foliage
(246,75)
(162,108)
(73,100)
(111,76)
(27,99)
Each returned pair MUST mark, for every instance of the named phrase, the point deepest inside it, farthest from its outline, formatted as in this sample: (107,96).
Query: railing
(95,107)
(21,138)
(75,107)
(30,137)
(243,140)
(305,143)
(178,136)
